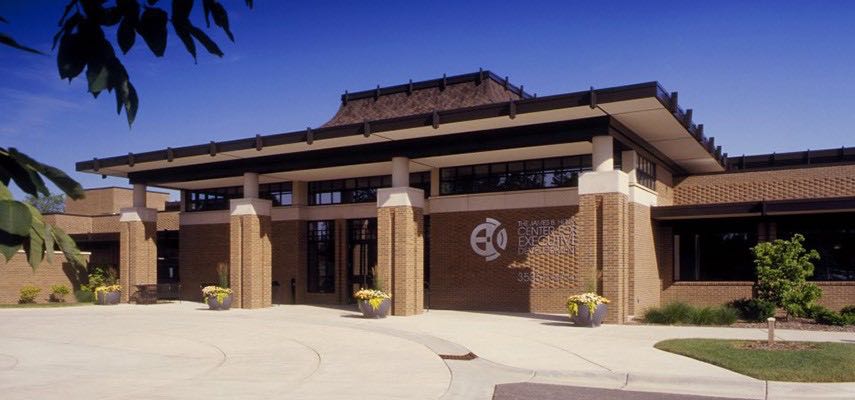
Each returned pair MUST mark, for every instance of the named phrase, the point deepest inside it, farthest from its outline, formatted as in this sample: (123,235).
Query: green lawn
(44,305)
(825,362)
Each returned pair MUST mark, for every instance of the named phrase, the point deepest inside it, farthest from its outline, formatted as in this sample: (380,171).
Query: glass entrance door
(361,253)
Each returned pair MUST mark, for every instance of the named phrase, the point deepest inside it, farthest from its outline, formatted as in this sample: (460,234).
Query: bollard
(771,321)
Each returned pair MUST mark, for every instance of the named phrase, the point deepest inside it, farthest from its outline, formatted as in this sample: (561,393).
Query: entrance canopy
(643,117)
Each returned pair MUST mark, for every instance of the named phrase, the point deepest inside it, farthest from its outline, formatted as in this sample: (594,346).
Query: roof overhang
(754,209)
(641,116)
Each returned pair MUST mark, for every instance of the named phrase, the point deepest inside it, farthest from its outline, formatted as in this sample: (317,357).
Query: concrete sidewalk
(181,350)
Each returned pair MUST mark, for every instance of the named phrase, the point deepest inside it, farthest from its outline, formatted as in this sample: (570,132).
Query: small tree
(51,204)
(783,267)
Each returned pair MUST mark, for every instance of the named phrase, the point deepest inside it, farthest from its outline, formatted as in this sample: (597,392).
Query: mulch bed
(777,345)
(801,324)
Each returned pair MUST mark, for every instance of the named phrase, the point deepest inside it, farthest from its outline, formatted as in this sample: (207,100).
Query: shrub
(848,311)
(58,293)
(713,316)
(756,310)
(824,316)
(28,294)
(783,267)
(84,295)
(682,313)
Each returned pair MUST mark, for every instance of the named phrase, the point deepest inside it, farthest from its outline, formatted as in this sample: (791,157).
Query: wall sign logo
(488,238)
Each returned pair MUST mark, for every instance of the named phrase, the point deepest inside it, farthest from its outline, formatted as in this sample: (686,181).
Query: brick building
(466,192)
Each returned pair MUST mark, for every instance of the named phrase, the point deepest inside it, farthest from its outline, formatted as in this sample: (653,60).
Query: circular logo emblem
(488,238)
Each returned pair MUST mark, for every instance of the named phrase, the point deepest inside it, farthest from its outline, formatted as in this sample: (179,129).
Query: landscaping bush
(755,310)
(682,313)
(28,294)
(783,267)
(58,293)
(84,295)
(824,316)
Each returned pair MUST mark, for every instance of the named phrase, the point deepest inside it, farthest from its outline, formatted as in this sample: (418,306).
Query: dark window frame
(358,190)
(213,199)
(506,176)
(698,239)
(320,237)
(645,172)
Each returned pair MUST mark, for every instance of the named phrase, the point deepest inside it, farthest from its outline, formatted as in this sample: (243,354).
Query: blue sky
(761,76)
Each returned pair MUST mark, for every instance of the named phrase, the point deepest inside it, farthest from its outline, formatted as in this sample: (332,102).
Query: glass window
(211,199)
(645,173)
(515,175)
(359,190)
(321,257)
(714,251)
(279,193)
(832,236)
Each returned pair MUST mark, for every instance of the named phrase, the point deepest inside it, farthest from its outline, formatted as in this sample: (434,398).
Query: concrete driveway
(183,351)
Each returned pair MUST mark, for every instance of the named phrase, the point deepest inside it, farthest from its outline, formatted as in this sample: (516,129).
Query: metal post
(771,321)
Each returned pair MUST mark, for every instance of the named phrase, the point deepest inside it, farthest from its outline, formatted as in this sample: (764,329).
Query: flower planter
(214,304)
(370,312)
(584,317)
(108,298)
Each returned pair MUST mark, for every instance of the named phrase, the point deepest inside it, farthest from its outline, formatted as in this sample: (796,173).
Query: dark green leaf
(206,7)
(68,186)
(130,10)
(8,41)
(15,217)
(68,8)
(221,19)
(126,35)
(10,244)
(181,9)
(71,57)
(18,172)
(68,247)
(111,16)
(93,9)
(49,244)
(5,194)
(97,76)
(35,246)
(206,41)
(131,104)
(152,28)
(249,4)
(152,2)
(69,25)
(182,29)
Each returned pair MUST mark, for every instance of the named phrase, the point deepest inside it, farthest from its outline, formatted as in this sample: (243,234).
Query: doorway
(361,253)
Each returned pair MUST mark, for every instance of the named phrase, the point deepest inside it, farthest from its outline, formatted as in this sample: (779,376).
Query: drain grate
(465,357)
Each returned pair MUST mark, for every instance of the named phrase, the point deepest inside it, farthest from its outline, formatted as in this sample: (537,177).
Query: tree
(21,224)
(83,44)
(52,204)
(783,267)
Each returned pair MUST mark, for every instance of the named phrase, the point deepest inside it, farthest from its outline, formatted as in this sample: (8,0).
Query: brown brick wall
(835,295)
(137,256)
(250,260)
(518,280)
(201,248)
(797,183)
(645,282)
(400,257)
(17,273)
(111,200)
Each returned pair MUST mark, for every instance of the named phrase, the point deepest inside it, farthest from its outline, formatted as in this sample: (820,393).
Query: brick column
(604,227)
(250,253)
(400,248)
(137,248)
